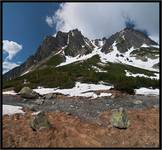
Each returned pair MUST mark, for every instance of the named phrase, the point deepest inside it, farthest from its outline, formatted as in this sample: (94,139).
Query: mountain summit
(126,39)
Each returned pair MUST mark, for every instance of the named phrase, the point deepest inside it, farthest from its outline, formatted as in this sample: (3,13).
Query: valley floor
(70,131)
(83,122)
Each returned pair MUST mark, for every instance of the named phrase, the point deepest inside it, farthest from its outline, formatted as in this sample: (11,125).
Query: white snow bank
(10,110)
(80,89)
(130,74)
(25,72)
(105,94)
(98,69)
(12,92)
(146,91)
(42,90)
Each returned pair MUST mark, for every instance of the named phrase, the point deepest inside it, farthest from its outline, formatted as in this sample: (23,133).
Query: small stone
(17,116)
(107,105)
(24,100)
(57,111)
(53,102)
(39,101)
(67,113)
(113,96)
(119,118)
(138,102)
(98,112)
(71,106)
(48,96)
(155,106)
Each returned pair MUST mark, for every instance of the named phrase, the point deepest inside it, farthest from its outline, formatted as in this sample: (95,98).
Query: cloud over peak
(97,20)
(12,48)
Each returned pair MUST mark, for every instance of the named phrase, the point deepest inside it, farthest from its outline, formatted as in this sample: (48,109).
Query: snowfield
(10,110)
(80,89)
(146,91)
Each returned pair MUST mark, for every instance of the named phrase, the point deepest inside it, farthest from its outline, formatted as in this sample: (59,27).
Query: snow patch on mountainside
(130,74)
(146,91)
(100,43)
(70,59)
(80,89)
(98,69)
(25,73)
(145,45)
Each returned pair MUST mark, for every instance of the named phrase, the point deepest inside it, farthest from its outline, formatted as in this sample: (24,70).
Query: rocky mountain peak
(77,44)
(126,39)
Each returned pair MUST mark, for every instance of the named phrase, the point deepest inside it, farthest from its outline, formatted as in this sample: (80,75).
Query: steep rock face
(14,72)
(126,39)
(49,45)
(77,44)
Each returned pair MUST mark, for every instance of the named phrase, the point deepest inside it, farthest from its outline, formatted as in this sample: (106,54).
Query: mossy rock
(39,121)
(120,118)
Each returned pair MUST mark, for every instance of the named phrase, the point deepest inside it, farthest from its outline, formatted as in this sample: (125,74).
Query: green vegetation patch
(66,76)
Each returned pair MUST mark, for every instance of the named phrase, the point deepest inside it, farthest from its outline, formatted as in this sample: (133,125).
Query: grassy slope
(65,76)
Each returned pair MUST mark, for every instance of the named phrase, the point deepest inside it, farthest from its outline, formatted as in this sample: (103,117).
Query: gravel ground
(85,108)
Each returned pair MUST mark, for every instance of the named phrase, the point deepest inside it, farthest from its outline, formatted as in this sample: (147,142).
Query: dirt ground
(70,131)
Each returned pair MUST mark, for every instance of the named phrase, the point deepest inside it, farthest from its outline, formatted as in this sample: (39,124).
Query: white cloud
(96,20)
(12,48)
(8,66)
(50,21)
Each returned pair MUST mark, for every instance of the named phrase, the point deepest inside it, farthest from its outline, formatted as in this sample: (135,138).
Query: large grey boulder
(39,121)
(26,92)
(120,118)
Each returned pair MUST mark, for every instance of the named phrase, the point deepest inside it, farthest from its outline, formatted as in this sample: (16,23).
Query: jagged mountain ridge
(73,44)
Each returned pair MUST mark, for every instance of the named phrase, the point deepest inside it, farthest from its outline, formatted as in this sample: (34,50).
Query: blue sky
(25,25)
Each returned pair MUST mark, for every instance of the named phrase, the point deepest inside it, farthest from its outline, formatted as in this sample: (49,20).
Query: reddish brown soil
(70,131)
